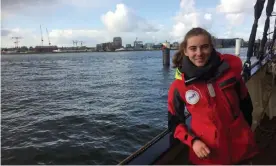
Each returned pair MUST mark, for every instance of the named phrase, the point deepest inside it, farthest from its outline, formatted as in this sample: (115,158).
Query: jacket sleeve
(246,105)
(176,117)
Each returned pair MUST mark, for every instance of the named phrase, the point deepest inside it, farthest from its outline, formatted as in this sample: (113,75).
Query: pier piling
(238,47)
(166,54)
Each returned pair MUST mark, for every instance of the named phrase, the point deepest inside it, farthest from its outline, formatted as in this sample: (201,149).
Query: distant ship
(120,49)
(10,52)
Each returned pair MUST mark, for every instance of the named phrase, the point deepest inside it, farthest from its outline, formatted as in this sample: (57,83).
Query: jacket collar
(224,66)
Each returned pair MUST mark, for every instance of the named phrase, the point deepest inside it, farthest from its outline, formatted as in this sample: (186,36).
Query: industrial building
(128,45)
(45,48)
(99,47)
(138,45)
(149,46)
(175,45)
(225,43)
(117,42)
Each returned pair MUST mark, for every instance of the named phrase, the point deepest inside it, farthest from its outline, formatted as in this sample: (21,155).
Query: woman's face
(198,49)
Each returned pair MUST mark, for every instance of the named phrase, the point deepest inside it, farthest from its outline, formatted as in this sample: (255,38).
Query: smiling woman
(197,46)
(210,88)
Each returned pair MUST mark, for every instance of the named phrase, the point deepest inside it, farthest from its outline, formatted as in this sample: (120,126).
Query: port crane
(81,42)
(75,42)
(48,37)
(16,40)
(41,36)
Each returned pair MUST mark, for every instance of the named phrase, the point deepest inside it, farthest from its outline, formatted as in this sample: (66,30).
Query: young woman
(210,109)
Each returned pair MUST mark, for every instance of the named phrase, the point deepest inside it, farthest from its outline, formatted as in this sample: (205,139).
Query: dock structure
(260,81)
(166,49)
(238,47)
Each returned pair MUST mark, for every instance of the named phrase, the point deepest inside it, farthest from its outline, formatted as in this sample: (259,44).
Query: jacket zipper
(234,116)
(229,148)
(209,96)
(232,113)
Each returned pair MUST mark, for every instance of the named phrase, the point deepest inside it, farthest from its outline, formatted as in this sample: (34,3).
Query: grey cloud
(5,32)
(29,8)
(26,7)
(8,4)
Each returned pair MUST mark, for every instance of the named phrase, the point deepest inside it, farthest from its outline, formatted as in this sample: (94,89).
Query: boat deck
(265,131)
(266,139)
(265,134)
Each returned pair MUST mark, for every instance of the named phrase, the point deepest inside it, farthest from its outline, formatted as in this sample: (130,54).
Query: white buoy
(238,47)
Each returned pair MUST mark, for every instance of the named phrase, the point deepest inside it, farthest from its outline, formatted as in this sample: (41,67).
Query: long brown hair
(178,56)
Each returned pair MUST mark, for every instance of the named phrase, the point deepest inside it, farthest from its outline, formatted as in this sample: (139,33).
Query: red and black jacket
(218,111)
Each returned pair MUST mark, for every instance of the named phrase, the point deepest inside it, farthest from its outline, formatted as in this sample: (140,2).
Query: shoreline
(3,53)
(70,51)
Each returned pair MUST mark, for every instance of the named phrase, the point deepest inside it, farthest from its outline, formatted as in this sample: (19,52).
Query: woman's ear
(184,52)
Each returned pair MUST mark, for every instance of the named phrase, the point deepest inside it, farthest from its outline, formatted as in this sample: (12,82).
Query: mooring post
(166,53)
(238,47)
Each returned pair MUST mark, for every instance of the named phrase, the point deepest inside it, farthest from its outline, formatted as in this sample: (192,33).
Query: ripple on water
(89,108)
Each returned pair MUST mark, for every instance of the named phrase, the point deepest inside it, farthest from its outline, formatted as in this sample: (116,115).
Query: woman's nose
(198,51)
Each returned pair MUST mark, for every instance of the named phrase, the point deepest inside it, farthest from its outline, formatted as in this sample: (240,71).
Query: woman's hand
(200,149)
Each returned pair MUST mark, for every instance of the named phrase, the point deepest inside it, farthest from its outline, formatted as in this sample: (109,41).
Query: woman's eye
(193,49)
(205,46)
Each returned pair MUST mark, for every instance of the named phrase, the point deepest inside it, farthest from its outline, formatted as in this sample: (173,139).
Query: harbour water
(85,108)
